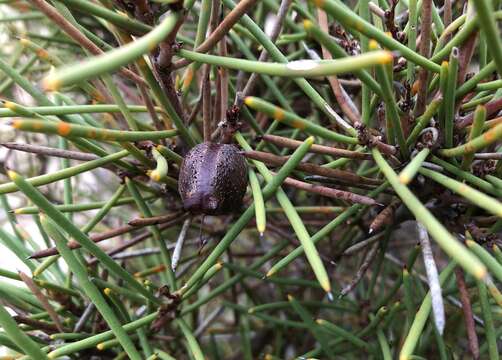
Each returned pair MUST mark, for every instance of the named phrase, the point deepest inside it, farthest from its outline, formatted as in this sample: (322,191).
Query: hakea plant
(274,179)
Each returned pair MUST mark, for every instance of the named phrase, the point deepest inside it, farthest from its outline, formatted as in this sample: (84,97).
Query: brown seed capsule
(213,179)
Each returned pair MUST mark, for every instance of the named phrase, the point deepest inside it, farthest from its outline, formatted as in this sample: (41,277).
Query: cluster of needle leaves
(372,223)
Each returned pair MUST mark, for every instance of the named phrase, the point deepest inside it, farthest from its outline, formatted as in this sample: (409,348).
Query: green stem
(488,319)
(351,20)
(337,51)
(421,317)
(476,129)
(424,120)
(476,197)
(260,213)
(479,142)
(393,122)
(41,201)
(449,98)
(90,290)
(490,29)
(113,17)
(112,60)
(408,173)
(99,338)
(327,229)
(65,173)
(300,68)
(491,263)
(444,239)
(80,131)
(295,121)
(18,337)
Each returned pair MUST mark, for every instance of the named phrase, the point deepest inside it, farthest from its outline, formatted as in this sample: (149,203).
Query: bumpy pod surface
(213,179)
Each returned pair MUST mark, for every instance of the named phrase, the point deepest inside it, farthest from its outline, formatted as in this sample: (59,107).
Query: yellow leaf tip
(373,44)
(326,286)
(481,273)
(12,174)
(278,114)
(404,179)
(51,83)
(9,105)
(387,57)
(154,175)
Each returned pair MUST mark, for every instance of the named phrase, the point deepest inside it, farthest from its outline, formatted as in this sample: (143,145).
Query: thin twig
(346,176)
(466,51)
(95,238)
(139,238)
(488,156)
(354,249)
(36,324)
(179,244)
(318,149)
(361,271)
(432,278)
(206,103)
(492,107)
(274,33)
(204,324)
(154,220)
(377,10)
(447,16)
(77,35)
(329,192)
(223,74)
(228,22)
(425,45)
(150,106)
(43,300)
(467,309)
(89,310)
(344,101)
(48,151)
(138,223)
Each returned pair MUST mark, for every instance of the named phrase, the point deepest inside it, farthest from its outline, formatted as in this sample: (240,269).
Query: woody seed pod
(213,179)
